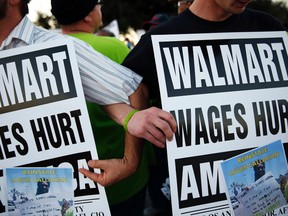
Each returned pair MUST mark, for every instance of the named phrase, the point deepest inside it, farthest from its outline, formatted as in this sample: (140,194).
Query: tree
(235,187)
(14,193)
(45,21)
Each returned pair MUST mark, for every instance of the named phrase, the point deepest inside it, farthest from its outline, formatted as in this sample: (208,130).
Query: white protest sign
(258,203)
(39,191)
(43,118)
(228,93)
(249,193)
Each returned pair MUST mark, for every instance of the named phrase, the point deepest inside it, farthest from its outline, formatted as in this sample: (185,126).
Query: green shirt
(110,136)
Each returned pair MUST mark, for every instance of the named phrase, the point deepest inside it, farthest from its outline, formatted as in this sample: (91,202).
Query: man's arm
(152,124)
(114,170)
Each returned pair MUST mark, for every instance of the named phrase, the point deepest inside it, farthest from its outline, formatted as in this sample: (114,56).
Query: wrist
(128,117)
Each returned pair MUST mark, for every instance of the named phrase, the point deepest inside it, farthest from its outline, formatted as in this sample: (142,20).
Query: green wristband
(128,117)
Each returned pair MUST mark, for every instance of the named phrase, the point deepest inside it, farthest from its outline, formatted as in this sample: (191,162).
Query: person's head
(43,186)
(259,169)
(23,7)
(233,6)
(155,21)
(3,8)
(70,12)
(183,5)
(218,10)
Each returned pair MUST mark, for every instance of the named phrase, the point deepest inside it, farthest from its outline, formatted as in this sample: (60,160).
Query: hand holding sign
(154,125)
(113,170)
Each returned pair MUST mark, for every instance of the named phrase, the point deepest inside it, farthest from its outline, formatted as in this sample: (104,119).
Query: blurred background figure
(104,32)
(155,21)
(182,4)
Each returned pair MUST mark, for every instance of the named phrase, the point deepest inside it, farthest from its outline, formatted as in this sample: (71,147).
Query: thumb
(98,164)
(96,177)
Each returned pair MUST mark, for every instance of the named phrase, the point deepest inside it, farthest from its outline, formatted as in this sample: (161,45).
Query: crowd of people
(133,160)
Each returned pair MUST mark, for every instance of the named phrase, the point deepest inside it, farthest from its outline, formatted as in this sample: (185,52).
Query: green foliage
(47,22)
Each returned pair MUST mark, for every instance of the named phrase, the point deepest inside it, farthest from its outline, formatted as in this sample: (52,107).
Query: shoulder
(115,42)
(99,42)
(177,24)
(257,14)
(262,19)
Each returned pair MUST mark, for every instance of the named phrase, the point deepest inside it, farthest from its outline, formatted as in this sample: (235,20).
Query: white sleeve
(104,81)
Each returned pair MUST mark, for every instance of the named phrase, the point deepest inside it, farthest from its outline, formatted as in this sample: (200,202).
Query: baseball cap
(155,20)
(70,11)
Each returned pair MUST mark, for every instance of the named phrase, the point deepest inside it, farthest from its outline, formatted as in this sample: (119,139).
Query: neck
(7,24)
(76,28)
(209,10)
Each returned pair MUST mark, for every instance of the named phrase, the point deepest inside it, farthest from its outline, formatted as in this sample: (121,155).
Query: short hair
(181,0)
(24,9)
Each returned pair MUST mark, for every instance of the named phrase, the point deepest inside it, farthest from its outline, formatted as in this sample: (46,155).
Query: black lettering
(272,115)
(57,130)
(216,131)
(259,117)
(274,130)
(39,134)
(2,207)
(184,126)
(65,126)
(283,111)
(16,129)
(228,213)
(58,141)
(200,130)
(5,142)
(199,180)
(226,122)
(239,107)
(75,114)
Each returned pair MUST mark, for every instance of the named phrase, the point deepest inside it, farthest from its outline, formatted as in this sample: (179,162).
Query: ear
(14,2)
(88,18)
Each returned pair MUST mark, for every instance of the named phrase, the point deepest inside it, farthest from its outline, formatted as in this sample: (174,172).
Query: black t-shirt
(141,58)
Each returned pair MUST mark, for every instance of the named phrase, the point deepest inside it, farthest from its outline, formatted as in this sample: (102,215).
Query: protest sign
(256,179)
(43,118)
(39,191)
(228,94)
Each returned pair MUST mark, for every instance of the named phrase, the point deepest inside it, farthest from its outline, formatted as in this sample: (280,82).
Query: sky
(42,6)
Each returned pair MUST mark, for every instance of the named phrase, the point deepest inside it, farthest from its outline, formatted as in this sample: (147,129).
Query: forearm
(138,100)
(118,112)
(153,124)
(134,145)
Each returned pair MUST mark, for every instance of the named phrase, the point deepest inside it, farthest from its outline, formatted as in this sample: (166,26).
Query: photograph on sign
(256,179)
